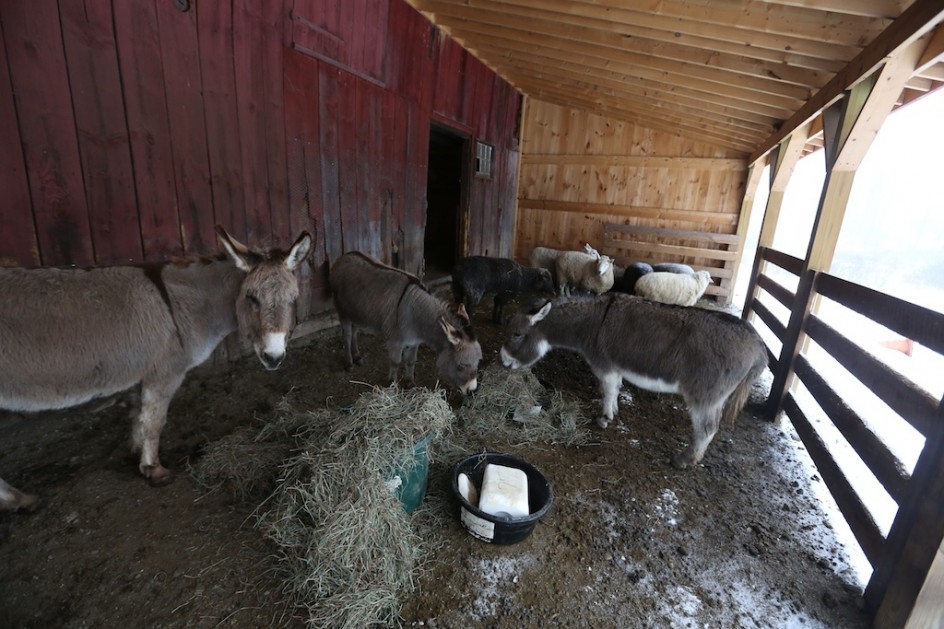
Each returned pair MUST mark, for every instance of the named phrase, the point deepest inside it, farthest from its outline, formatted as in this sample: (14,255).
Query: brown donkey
(70,335)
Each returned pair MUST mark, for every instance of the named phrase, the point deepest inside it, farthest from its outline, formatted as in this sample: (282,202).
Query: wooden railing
(715,253)
(900,559)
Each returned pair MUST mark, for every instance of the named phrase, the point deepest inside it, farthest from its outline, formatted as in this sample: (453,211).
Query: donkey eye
(252,299)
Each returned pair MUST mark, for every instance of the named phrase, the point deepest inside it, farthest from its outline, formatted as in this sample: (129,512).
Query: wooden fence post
(915,536)
(783,370)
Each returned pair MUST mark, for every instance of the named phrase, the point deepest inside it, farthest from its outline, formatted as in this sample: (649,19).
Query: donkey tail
(738,398)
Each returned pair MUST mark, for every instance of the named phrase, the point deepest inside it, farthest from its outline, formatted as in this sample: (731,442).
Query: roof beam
(575,77)
(600,17)
(864,8)
(920,18)
(504,53)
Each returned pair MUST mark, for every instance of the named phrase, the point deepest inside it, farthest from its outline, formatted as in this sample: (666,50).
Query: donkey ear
(452,334)
(299,251)
(462,312)
(240,253)
(540,314)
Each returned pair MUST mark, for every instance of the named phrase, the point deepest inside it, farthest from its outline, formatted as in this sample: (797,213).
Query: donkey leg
(351,354)
(498,306)
(409,365)
(609,387)
(12,499)
(705,422)
(395,353)
(146,431)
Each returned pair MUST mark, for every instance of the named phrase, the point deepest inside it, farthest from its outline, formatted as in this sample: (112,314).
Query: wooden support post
(744,220)
(850,126)
(918,530)
(783,163)
(783,370)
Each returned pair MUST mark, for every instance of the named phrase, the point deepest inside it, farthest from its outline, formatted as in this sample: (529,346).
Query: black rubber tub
(495,529)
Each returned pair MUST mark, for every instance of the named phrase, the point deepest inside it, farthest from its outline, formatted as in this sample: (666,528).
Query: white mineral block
(504,492)
(468,490)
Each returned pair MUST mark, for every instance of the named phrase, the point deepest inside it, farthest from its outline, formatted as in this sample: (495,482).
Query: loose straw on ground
(345,546)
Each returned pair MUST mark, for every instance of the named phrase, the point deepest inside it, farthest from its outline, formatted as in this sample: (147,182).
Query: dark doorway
(444,198)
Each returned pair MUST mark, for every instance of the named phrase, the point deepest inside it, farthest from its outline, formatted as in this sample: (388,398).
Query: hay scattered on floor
(344,542)
(512,409)
(347,549)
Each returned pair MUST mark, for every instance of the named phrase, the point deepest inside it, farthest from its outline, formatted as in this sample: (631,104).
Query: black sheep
(475,276)
(627,282)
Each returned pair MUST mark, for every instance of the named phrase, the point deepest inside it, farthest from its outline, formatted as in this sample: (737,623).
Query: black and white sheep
(673,288)
(475,276)
(626,282)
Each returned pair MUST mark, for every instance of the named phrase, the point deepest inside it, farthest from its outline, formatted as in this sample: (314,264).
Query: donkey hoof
(680,461)
(158,475)
(603,422)
(27,503)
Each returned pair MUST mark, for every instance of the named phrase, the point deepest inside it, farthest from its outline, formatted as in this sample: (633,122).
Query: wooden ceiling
(728,72)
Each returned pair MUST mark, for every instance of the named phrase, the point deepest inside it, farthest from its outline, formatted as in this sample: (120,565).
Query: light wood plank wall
(580,171)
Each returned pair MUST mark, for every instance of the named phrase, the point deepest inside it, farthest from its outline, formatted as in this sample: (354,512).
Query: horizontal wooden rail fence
(901,559)
(715,253)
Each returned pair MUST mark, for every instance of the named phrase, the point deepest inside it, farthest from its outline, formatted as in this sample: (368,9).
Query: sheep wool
(673,288)
(584,271)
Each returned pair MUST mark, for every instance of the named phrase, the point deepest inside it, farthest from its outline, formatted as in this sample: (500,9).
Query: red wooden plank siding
(410,72)
(356,130)
(47,127)
(450,59)
(392,154)
(417,150)
(18,246)
(347,123)
(376,201)
(102,132)
(221,114)
(274,121)
(179,52)
(329,102)
(250,99)
(142,77)
(224,146)
(304,173)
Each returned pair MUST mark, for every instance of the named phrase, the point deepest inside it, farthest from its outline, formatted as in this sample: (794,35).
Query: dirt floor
(740,541)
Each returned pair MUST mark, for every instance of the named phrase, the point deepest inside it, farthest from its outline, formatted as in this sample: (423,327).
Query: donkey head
(525,344)
(458,363)
(265,305)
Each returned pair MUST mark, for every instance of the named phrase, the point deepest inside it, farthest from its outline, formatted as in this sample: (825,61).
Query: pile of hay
(344,542)
(512,410)
(346,547)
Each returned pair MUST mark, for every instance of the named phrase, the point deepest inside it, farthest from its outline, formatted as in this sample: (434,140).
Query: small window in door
(483,160)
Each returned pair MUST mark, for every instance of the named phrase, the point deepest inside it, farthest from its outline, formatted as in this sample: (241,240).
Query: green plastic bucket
(411,477)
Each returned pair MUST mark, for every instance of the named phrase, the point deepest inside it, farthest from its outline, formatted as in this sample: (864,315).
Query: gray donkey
(710,358)
(71,335)
(372,295)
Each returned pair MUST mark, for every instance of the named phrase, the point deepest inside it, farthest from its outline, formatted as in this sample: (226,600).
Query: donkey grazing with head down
(711,358)
(377,297)
(71,335)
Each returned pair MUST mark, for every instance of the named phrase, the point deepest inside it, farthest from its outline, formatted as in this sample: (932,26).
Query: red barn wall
(128,129)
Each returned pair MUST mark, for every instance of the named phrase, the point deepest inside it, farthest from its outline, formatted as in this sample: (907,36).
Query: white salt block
(504,492)
(468,490)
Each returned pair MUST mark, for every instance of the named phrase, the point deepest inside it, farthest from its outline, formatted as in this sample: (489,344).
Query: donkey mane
(70,335)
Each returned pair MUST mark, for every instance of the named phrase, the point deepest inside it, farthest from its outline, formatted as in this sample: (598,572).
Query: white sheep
(673,288)
(584,271)
(544,258)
